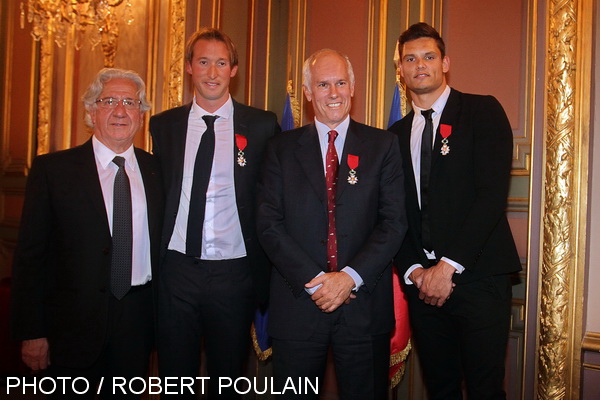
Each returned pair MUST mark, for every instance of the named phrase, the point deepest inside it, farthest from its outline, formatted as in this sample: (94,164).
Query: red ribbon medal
(445,131)
(241,142)
(352,164)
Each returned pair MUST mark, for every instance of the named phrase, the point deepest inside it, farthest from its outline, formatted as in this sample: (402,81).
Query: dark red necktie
(331,172)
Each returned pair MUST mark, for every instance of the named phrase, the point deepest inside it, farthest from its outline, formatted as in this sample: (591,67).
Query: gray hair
(306,73)
(104,75)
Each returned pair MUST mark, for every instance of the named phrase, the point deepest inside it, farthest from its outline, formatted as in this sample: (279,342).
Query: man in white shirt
(89,245)
(214,272)
(459,251)
(329,220)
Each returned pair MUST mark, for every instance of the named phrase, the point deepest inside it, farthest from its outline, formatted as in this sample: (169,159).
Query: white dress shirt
(416,138)
(222,237)
(141,271)
(323,132)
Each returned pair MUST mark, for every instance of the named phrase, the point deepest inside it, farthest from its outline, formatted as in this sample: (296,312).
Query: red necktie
(331,172)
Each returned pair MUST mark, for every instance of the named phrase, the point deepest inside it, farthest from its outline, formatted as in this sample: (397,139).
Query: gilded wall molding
(591,341)
(376,63)
(6,35)
(297,52)
(564,197)
(176,58)
(44,111)
(267,57)
(522,143)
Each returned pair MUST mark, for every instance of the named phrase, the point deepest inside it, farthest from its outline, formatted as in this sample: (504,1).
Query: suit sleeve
(292,262)
(383,243)
(492,162)
(32,257)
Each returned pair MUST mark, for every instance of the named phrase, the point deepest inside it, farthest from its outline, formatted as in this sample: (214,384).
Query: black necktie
(202,169)
(122,237)
(426,146)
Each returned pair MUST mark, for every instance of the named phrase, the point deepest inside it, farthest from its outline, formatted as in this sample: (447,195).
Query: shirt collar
(438,105)
(224,112)
(341,129)
(104,155)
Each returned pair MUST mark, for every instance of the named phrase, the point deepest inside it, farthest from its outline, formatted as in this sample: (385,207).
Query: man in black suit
(213,269)
(459,251)
(331,225)
(89,245)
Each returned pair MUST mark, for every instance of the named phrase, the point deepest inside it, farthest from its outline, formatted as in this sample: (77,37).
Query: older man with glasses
(88,246)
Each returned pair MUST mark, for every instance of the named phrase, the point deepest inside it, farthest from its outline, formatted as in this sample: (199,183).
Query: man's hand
(35,353)
(336,290)
(436,284)
(416,277)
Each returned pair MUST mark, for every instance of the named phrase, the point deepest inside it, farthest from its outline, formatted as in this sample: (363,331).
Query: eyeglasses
(111,103)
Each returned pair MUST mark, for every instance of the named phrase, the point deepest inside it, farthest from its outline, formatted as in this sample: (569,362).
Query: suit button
(103,289)
(324,242)
(105,250)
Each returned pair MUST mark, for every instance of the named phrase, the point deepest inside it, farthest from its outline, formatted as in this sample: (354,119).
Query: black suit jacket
(468,190)
(61,273)
(292,223)
(169,130)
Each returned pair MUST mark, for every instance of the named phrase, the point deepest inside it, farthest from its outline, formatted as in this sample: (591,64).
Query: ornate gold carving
(176,57)
(564,201)
(294,103)
(109,33)
(45,94)
(60,19)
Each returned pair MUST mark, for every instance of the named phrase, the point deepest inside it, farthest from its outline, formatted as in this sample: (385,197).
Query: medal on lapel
(445,131)
(352,164)
(241,142)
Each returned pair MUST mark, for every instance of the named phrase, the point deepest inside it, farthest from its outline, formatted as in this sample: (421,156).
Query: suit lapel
(88,175)
(239,126)
(308,154)
(353,145)
(152,188)
(449,117)
(404,138)
(179,129)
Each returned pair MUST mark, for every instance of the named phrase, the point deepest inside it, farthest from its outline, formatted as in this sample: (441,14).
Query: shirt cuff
(409,271)
(358,281)
(312,290)
(459,268)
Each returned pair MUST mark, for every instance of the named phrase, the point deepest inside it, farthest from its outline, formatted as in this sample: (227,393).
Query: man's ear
(307,93)
(445,64)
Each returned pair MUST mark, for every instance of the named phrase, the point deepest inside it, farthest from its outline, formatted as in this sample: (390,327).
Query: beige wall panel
(484,40)
(491,50)
(519,225)
(235,22)
(341,25)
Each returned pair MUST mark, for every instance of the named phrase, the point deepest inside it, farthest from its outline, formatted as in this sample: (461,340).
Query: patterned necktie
(122,236)
(331,173)
(202,169)
(426,147)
